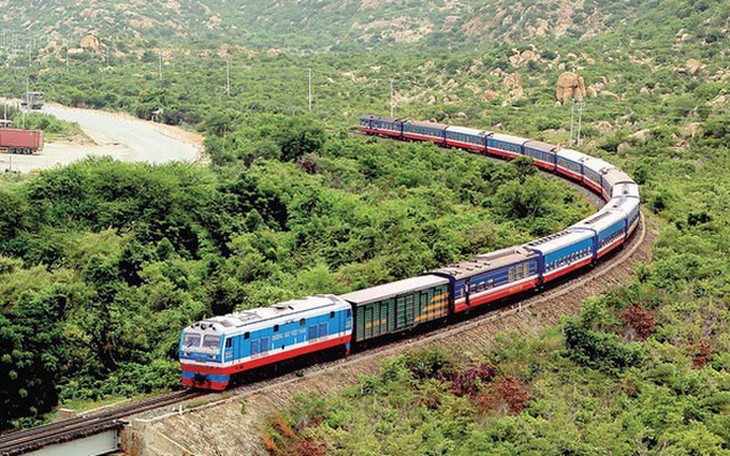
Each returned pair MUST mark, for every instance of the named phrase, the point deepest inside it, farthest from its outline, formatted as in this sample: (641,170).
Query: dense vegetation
(104,262)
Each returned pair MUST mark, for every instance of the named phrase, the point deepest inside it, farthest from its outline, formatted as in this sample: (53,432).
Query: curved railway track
(576,284)
(261,398)
(20,442)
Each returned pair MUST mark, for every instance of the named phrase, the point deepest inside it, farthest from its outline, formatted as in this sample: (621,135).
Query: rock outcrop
(571,86)
(520,58)
(90,43)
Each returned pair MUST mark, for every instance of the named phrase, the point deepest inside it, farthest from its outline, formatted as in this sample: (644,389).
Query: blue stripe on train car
(620,225)
(504,145)
(539,155)
(278,337)
(208,377)
(567,255)
(494,278)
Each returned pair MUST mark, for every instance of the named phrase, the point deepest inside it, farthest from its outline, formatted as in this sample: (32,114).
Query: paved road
(120,136)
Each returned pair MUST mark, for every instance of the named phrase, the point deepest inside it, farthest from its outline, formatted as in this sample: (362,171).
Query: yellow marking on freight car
(381,322)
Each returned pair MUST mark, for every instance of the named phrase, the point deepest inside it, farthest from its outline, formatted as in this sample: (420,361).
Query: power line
(228,78)
(392,99)
(310,90)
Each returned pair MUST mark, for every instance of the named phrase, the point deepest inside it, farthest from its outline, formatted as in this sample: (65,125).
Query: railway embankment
(232,424)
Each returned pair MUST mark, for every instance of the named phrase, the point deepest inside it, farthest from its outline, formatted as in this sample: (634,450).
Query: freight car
(16,141)
(214,350)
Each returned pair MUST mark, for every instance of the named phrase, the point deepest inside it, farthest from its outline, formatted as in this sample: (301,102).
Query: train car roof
(622,204)
(469,131)
(539,145)
(382,118)
(572,155)
(600,221)
(598,165)
(487,262)
(262,317)
(616,176)
(625,189)
(557,241)
(419,123)
(389,290)
(509,138)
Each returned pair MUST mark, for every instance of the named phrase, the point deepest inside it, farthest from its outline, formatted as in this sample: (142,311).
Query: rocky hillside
(345,24)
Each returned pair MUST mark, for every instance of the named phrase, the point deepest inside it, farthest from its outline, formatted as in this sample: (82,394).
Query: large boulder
(90,43)
(693,66)
(571,86)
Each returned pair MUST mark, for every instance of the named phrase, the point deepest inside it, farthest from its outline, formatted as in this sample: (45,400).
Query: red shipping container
(13,138)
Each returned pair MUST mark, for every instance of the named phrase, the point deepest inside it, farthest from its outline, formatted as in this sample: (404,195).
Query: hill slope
(344,23)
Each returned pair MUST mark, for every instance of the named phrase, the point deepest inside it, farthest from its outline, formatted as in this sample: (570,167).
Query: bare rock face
(511,81)
(90,42)
(520,58)
(641,135)
(604,126)
(571,86)
(693,66)
(490,95)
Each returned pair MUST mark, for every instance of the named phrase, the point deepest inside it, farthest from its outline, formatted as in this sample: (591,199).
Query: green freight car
(398,306)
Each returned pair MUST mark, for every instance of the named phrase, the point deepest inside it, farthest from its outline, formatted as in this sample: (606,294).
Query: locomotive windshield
(191,340)
(211,341)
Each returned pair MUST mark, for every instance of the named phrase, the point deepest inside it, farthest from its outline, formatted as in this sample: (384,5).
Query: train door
(400,312)
(410,309)
(424,313)
(369,321)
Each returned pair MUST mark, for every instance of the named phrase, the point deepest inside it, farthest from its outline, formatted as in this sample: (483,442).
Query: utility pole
(159,53)
(580,116)
(27,91)
(310,90)
(572,116)
(228,78)
(392,98)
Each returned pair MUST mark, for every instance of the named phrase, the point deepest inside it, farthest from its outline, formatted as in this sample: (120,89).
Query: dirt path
(117,135)
(231,426)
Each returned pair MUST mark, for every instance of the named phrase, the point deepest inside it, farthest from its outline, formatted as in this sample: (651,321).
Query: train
(217,350)
(18,141)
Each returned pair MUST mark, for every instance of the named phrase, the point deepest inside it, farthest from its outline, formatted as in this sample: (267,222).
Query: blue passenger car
(490,277)
(563,252)
(505,145)
(608,228)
